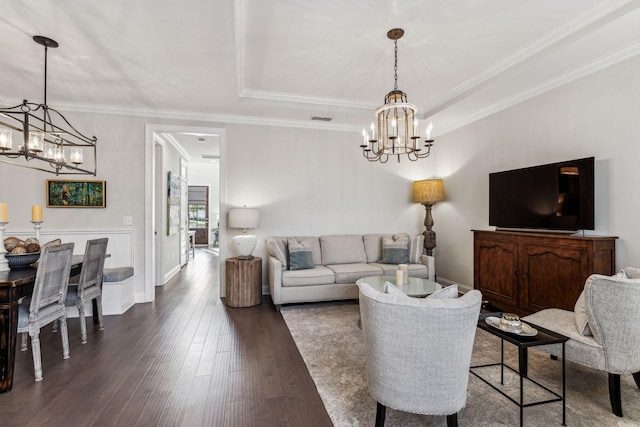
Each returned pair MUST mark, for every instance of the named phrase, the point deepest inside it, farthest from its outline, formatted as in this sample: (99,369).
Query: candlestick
(36,213)
(4,264)
(36,226)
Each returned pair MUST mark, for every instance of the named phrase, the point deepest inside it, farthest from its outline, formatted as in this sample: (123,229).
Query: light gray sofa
(337,261)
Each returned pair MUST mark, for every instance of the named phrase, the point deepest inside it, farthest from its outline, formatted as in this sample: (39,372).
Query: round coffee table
(416,287)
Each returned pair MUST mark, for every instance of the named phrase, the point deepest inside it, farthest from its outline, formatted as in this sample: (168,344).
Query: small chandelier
(397,123)
(49,142)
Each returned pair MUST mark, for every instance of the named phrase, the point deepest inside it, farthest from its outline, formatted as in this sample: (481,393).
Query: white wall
(596,116)
(315,182)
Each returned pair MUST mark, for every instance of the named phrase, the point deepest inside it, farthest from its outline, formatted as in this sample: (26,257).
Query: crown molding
(598,64)
(264,95)
(603,12)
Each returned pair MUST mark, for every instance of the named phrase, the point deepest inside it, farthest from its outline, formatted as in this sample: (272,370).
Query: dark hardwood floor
(184,360)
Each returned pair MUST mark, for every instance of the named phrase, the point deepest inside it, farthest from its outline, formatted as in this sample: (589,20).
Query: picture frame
(76,193)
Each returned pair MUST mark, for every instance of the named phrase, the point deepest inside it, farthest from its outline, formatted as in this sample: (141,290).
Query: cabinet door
(552,276)
(496,271)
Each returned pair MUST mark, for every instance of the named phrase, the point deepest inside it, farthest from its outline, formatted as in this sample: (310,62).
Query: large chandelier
(396,133)
(48,142)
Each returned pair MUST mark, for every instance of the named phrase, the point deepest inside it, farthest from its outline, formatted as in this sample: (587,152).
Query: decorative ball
(31,240)
(11,242)
(20,249)
(33,247)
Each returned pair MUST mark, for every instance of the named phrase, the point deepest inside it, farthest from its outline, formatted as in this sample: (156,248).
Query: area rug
(331,344)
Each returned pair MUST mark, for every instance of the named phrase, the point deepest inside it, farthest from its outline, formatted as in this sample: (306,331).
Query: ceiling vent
(209,156)
(321,119)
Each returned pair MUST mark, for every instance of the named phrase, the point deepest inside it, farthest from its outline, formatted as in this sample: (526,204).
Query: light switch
(127,220)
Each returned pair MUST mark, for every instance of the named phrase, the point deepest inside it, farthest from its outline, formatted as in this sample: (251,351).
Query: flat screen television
(558,196)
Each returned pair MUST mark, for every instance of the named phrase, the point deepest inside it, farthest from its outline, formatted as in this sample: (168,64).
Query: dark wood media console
(526,272)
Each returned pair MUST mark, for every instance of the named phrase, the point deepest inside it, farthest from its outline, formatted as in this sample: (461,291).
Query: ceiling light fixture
(50,138)
(397,127)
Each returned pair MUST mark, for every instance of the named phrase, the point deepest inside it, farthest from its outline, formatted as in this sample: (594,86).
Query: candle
(4,212)
(373,131)
(36,213)
(399,277)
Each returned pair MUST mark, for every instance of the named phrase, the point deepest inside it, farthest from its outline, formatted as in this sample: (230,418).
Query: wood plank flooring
(184,360)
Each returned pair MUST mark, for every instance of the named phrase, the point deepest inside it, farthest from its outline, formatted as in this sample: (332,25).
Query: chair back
(52,278)
(418,351)
(613,313)
(92,265)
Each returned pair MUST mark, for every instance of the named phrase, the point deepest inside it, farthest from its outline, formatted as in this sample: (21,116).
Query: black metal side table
(543,337)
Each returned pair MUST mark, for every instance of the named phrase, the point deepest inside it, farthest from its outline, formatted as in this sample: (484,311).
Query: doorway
(156,252)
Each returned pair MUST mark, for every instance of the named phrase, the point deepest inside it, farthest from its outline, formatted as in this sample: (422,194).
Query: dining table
(14,285)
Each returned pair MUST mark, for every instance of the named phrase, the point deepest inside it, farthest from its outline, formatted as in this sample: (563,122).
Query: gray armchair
(418,351)
(609,337)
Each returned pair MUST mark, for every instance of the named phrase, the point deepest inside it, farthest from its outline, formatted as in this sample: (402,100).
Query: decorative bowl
(510,322)
(17,261)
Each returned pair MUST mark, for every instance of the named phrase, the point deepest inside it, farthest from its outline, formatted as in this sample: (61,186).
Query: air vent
(209,156)
(321,119)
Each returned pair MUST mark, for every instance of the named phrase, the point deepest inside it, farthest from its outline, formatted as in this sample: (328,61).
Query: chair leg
(614,394)
(83,323)
(381,411)
(64,333)
(452,420)
(23,346)
(636,378)
(54,326)
(98,308)
(37,358)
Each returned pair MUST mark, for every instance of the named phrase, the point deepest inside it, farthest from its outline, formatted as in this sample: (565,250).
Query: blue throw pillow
(300,256)
(395,249)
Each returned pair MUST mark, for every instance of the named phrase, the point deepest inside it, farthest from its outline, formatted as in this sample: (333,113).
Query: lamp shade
(244,218)
(428,191)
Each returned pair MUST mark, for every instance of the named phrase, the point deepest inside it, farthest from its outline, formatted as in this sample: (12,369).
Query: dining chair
(47,301)
(88,285)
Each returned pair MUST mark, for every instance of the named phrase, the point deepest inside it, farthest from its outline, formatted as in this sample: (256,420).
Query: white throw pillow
(390,288)
(444,293)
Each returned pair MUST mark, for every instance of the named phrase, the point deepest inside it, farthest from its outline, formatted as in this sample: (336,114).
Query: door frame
(150,253)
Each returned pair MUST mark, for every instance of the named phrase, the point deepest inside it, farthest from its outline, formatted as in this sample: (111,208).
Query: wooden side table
(244,282)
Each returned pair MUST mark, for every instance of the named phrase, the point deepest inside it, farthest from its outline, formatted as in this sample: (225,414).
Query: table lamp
(428,192)
(244,218)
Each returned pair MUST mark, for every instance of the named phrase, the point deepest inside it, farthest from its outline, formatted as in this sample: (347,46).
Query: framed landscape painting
(76,194)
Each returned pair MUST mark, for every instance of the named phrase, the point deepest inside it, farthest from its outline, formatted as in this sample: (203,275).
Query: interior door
(199,213)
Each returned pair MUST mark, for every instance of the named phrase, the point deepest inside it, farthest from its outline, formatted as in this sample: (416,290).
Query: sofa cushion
(349,273)
(416,246)
(373,246)
(395,249)
(319,275)
(342,249)
(276,248)
(300,255)
(415,270)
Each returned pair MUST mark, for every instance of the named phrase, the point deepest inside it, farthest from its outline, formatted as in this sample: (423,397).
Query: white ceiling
(281,62)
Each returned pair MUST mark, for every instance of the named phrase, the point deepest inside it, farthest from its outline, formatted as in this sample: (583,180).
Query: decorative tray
(527,330)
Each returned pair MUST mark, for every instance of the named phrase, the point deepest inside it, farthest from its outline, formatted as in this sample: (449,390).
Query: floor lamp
(428,192)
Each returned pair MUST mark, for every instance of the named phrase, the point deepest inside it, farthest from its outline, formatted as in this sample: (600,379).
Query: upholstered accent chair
(47,302)
(603,329)
(88,286)
(418,351)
